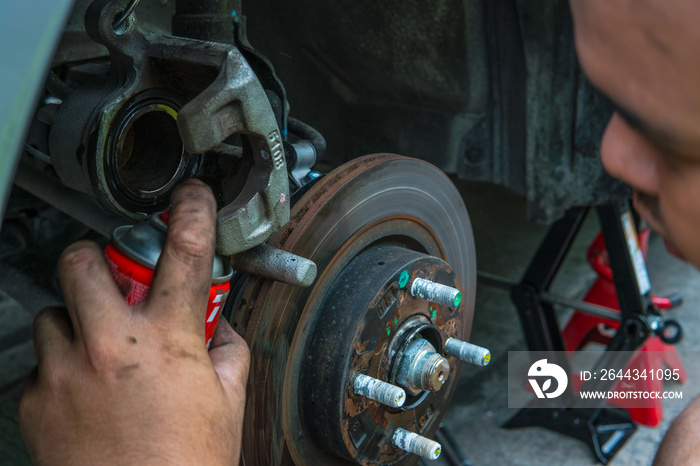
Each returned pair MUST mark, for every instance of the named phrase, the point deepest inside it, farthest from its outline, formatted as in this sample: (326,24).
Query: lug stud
(468,352)
(436,292)
(379,391)
(416,444)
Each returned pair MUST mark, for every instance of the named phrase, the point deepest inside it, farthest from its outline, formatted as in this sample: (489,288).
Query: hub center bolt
(422,368)
(378,390)
(436,292)
(416,444)
(468,352)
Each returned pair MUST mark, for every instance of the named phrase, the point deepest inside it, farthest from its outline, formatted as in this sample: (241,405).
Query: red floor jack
(585,328)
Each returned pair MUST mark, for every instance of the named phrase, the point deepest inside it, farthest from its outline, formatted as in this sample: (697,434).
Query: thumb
(230,357)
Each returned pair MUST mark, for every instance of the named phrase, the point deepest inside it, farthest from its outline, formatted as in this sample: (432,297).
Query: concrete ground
(505,241)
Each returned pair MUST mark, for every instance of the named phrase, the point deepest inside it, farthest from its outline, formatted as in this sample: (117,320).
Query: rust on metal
(331,225)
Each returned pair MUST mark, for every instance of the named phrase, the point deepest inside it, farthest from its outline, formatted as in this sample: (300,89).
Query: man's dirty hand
(119,384)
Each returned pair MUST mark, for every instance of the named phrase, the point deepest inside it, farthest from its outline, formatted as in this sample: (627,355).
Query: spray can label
(132,256)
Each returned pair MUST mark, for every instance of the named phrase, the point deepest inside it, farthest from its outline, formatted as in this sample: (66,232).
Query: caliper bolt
(378,390)
(436,292)
(468,352)
(416,444)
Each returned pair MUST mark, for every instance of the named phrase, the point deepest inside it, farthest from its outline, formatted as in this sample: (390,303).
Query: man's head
(645,56)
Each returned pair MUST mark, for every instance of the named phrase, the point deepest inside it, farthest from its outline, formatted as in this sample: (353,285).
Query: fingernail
(194,181)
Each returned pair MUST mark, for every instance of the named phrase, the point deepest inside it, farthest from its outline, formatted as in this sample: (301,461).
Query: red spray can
(132,256)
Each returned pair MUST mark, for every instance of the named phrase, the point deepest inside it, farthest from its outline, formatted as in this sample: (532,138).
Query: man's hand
(135,385)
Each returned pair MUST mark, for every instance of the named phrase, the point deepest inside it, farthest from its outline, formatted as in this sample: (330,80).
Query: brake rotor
(372,207)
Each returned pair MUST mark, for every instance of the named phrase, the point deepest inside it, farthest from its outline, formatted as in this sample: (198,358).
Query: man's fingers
(92,297)
(25,412)
(224,335)
(231,359)
(183,275)
(53,334)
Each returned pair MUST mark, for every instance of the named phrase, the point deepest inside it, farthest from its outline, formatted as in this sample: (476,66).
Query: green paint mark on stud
(434,314)
(403,279)
(458,299)
(396,320)
(388,331)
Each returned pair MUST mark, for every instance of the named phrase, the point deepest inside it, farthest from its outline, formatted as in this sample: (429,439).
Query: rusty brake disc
(376,201)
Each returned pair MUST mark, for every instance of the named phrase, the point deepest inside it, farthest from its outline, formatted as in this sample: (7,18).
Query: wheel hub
(372,325)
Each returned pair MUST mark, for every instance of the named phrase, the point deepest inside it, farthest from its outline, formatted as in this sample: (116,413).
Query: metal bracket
(212,92)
